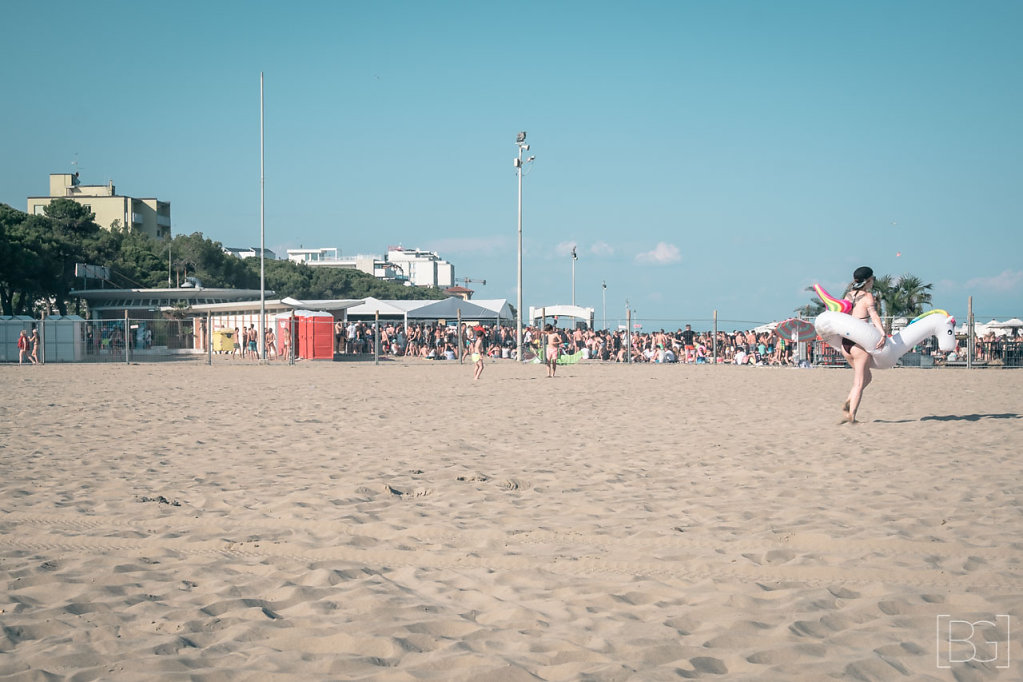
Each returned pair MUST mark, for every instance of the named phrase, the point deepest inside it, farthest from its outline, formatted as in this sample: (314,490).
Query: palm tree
(886,294)
(913,295)
(904,296)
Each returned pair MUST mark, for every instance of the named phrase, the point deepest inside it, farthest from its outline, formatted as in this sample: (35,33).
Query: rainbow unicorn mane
(931,312)
(837,305)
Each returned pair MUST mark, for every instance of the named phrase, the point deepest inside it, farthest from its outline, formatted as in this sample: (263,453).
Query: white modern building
(327,256)
(421,268)
(244,252)
(414,266)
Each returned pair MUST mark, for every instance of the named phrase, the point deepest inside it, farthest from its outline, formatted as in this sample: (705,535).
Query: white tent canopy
(326,305)
(373,306)
(451,309)
(500,306)
(573,311)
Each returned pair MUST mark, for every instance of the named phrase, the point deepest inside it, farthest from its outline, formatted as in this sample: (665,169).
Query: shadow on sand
(969,417)
(951,418)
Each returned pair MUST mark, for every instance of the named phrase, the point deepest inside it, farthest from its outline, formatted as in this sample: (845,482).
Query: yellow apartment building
(150,216)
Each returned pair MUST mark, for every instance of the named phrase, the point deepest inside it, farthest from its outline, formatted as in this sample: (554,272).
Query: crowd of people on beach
(436,341)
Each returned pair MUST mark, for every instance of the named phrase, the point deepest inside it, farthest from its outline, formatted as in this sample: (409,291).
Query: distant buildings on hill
(248,252)
(150,216)
(414,267)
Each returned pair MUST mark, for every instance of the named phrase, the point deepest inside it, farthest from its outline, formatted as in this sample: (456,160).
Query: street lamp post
(261,339)
(574,259)
(603,300)
(520,140)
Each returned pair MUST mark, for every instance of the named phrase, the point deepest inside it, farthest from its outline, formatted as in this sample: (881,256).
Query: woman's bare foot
(846,417)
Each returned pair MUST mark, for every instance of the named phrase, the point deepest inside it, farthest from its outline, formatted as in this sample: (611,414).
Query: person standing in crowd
(552,350)
(339,336)
(33,342)
(864,308)
(479,350)
(271,346)
(253,338)
(689,343)
(23,347)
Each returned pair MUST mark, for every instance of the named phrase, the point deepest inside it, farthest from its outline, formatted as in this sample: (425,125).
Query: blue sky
(701,156)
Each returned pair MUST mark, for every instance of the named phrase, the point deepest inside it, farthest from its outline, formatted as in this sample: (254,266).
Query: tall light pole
(520,140)
(603,299)
(261,341)
(574,259)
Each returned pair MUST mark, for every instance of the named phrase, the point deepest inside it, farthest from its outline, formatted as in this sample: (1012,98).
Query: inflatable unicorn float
(835,324)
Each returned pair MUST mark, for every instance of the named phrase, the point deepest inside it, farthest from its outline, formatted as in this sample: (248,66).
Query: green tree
(283,277)
(913,295)
(24,266)
(903,296)
(138,261)
(70,217)
(75,238)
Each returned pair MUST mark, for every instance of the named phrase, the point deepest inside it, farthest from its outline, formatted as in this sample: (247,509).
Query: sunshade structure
(794,329)
(452,309)
(498,305)
(371,307)
(326,305)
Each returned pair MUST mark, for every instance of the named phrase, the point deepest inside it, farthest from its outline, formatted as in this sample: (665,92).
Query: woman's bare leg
(861,379)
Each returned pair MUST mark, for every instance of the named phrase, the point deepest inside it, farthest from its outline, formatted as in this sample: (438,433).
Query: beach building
(244,252)
(415,267)
(157,319)
(148,215)
(422,268)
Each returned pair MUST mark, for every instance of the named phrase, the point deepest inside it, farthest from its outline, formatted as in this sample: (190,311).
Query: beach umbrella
(794,329)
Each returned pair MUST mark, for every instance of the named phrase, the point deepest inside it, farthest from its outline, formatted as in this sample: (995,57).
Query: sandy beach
(346,521)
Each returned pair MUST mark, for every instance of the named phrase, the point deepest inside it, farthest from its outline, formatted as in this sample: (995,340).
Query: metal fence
(133,339)
(997,353)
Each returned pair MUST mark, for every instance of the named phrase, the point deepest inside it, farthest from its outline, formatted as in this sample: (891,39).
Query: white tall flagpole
(261,341)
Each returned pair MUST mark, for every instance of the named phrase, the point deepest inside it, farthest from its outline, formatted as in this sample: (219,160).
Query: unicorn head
(941,324)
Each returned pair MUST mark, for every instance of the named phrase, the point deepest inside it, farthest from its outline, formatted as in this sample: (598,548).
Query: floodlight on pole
(603,298)
(520,141)
(261,339)
(574,259)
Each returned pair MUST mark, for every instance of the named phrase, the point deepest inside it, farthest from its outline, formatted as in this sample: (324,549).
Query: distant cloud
(1007,281)
(662,254)
(602,249)
(463,245)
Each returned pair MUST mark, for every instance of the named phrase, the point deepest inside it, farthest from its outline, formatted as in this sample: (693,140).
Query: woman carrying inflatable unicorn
(852,326)
(863,307)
